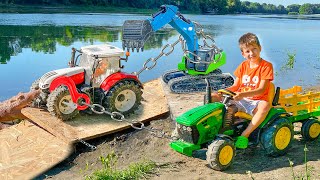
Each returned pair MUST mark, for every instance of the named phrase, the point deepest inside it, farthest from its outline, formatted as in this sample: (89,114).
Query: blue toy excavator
(199,62)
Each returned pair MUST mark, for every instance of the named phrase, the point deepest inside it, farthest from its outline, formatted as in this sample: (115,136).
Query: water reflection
(45,39)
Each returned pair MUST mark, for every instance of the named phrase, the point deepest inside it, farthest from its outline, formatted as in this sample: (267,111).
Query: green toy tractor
(215,126)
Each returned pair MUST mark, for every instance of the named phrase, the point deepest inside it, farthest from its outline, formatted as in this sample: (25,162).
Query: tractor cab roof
(103,50)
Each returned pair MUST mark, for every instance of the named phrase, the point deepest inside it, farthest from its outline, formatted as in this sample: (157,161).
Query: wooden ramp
(27,151)
(180,103)
(31,157)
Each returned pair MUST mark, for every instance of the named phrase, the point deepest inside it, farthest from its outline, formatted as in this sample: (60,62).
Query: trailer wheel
(310,130)
(276,138)
(125,97)
(57,104)
(41,100)
(220,154)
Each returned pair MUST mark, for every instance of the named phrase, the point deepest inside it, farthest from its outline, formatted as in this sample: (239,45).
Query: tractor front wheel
(125,97)
(276,138)
(60,104)
(310,130)
(220,154)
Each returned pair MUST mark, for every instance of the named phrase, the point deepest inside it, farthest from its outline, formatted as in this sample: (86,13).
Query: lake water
(33,44)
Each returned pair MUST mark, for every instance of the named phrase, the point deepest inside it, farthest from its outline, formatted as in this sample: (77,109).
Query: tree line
(200,6)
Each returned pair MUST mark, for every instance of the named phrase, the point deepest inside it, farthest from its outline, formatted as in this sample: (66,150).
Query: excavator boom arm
(137,32)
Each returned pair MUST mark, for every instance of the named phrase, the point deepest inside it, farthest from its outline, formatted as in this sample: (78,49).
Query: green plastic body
(207,119)
(219,58)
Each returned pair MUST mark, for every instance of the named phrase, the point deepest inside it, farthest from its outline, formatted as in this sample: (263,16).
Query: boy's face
(251,52)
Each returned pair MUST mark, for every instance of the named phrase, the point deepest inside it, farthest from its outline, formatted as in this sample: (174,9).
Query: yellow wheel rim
(283,138)
(314,130)
(225,155)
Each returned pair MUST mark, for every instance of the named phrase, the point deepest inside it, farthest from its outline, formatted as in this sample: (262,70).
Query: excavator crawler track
(190,84)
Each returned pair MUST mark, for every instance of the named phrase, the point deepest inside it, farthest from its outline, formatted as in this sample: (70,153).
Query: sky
(285,2)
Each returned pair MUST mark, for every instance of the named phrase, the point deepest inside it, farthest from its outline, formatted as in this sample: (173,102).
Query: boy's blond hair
(248,39)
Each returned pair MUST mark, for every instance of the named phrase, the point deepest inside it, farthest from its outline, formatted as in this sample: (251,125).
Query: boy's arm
(235,86)
(262,87)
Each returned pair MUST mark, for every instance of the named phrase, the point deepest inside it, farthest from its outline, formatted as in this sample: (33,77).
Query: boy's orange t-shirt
(250,78)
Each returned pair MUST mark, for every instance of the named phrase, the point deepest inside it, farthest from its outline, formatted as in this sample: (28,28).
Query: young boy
(253,77)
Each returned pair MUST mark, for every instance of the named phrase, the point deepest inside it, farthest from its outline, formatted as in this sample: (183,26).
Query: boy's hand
(238,96)
(216,97)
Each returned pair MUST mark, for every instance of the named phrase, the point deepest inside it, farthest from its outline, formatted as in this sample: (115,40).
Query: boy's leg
(260,113)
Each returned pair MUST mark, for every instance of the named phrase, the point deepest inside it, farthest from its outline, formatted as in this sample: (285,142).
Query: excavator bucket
(135,33)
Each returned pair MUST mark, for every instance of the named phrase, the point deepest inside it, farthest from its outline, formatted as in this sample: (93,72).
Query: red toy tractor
(95,79)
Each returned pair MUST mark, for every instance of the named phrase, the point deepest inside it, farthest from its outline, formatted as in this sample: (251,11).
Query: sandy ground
(135,146)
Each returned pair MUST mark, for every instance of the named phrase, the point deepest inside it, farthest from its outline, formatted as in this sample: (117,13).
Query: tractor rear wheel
(220,154)
(60,104)
(310,130)
(125,97)
(276,138)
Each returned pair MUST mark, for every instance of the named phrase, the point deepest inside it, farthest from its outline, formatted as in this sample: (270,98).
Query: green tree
(293,8)
(255,7)
(281,9)
(245,6)
(316,9)
(233,6)
(306,9)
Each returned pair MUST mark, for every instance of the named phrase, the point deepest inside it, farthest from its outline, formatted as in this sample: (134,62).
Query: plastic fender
(78,78)
(111,80)
(272,116)
(68,81)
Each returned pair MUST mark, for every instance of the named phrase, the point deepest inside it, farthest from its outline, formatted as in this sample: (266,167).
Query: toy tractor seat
(272,99)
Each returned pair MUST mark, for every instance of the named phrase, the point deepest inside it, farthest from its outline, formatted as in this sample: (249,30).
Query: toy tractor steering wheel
(227,94)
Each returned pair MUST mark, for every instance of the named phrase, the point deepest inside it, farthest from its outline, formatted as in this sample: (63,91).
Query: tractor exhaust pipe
(207,96)
(71,62)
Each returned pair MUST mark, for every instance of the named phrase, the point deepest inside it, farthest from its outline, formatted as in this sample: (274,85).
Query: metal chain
(206,44)
(153,61)
(117,116)
(162,53)
(205,37)
(92,147)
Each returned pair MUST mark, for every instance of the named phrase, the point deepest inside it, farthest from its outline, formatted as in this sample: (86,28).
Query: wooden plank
(27,151)
(53,125)
(86,127)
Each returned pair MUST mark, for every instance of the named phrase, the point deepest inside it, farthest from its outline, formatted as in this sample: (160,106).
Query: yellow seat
(271,93)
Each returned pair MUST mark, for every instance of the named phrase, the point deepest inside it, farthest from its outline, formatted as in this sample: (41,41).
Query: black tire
(276,139)
(41,100)
(220,154)
(57,108)
(125,97)
(228,82)
(310,130)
